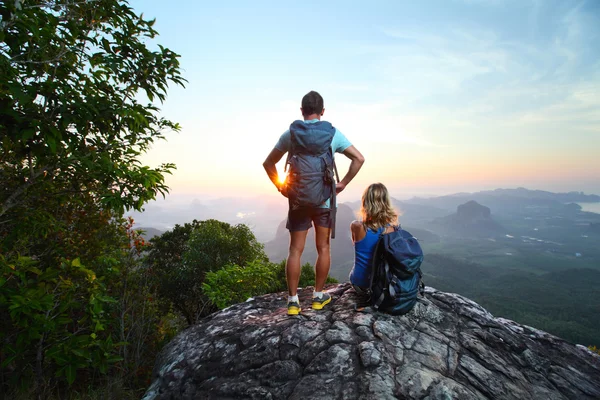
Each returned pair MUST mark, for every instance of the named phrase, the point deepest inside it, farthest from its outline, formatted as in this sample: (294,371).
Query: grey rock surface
(448,347)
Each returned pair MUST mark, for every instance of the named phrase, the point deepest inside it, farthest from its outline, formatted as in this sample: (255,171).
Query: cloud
(425,65)
(382,122)
(243,215)
(469,70)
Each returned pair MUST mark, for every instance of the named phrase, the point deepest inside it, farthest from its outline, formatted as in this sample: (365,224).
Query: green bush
(307,276)
(65,327)
(233,284)
(54,321)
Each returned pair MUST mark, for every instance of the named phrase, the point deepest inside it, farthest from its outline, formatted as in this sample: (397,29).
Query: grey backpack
(310,181)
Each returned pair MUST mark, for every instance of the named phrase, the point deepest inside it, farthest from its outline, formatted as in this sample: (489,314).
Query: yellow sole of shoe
(319,306)
(294,311)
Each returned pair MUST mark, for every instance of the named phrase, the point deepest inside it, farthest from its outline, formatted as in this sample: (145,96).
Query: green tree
(73,125)
(181,258)
(71,122)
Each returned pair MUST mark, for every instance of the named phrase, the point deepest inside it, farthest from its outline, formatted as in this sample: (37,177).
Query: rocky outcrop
(448,347)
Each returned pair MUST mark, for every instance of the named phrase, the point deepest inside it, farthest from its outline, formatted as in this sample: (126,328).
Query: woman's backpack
(396,272)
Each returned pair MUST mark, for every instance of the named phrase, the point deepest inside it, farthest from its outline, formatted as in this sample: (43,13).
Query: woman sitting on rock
(377,216)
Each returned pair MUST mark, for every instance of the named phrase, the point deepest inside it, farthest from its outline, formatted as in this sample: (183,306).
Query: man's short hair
(312,103)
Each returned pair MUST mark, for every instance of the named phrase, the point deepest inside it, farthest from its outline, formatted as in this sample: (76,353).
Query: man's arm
(269,164)
(356,162)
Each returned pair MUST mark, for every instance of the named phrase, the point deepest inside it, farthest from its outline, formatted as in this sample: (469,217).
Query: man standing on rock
(311,189)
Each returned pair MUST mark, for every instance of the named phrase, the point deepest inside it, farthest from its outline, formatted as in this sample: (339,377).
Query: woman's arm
(358,231)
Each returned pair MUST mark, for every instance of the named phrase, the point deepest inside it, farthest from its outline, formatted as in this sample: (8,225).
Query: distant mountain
(510,201)
(471,219)
(570,197)
(473,212)
(149,233)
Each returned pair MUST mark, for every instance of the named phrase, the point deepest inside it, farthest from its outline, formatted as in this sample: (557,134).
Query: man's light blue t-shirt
(338,145)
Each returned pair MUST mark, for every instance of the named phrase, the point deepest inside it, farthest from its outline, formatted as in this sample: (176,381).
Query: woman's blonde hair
(376,209)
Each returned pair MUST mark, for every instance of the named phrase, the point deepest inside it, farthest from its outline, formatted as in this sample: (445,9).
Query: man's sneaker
(319,302)
(293,308)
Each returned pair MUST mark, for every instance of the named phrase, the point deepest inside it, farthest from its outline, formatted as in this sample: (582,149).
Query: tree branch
(12,199)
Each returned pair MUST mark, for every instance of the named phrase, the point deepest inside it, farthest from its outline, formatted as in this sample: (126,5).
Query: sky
(439,96)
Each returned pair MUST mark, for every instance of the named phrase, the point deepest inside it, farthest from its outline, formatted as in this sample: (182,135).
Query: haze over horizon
(440,97)
(264,214)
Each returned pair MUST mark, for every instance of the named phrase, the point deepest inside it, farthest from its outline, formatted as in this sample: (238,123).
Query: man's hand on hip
(356,162)
(283,189)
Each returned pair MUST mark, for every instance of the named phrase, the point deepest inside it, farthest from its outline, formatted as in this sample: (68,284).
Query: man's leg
(323,256)
(292,266)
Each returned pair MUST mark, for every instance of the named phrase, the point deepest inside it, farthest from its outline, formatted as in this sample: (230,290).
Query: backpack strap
(374,261)
(333,198)
(287,161)
(376,255)
(381,297)
(337,176)
(332,208)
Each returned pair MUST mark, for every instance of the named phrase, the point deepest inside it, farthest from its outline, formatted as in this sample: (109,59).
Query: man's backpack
(396,272)
(310,181)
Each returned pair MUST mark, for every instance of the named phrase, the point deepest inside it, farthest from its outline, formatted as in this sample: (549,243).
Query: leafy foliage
(74,302)
(56,320)
(307,276)
(70,117)
(59,323)
(181,258)
(234,284)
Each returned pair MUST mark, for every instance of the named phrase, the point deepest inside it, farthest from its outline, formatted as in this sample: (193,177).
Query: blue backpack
(310,181)
(396,272)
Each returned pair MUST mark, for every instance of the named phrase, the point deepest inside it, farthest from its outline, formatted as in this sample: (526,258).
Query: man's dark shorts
(302,219)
